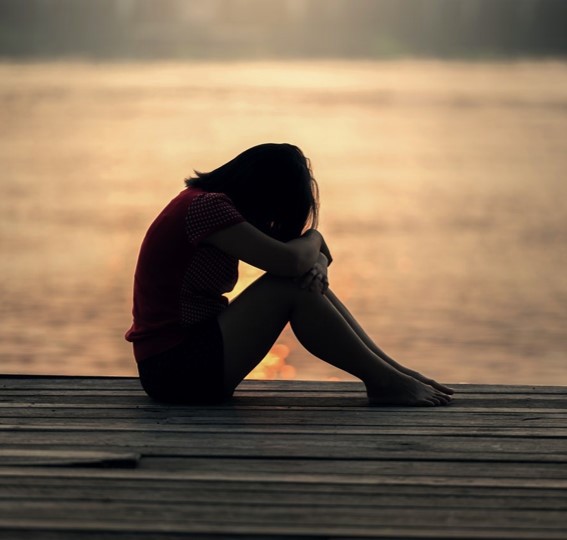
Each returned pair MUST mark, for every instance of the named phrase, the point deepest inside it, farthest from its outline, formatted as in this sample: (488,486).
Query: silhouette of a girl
(191,345)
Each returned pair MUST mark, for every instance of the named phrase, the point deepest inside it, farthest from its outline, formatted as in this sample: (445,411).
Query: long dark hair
(271,185)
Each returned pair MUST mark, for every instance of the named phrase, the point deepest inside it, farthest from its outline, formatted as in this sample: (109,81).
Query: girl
(191,345)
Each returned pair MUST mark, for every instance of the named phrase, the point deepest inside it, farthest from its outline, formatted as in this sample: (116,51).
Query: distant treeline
(116,29)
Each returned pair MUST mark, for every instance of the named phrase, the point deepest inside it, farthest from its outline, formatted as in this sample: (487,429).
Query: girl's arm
(286,259)
(325,251)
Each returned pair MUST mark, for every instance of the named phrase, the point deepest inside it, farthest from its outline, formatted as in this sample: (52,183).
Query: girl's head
(272,187)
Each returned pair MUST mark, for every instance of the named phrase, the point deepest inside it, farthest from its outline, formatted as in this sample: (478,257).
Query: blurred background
(437,130)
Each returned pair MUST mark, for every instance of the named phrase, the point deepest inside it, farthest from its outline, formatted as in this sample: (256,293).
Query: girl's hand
(316,279)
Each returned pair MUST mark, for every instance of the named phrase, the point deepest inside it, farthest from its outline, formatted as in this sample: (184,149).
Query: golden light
(274,365)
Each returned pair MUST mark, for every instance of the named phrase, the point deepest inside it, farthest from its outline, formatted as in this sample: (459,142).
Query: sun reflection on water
(274,365)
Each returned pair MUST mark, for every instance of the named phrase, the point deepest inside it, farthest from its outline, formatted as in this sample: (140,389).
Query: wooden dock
(94,458)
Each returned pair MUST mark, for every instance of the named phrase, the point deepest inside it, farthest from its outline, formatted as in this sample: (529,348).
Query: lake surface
(443,189)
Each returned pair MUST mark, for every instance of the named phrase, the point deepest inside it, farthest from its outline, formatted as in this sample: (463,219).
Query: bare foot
(418,376)
(422,378)
(405,390)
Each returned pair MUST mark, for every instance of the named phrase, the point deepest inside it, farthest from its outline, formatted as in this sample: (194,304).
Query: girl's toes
(441,387)
(446,400)
(445,389)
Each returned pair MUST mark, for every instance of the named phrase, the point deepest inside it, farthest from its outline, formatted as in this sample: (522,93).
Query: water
(443,200)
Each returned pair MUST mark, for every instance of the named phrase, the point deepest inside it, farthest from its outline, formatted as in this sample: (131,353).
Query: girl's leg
(253,321)
(353,323)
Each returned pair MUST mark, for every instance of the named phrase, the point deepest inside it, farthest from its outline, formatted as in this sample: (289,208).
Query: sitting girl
(192,345)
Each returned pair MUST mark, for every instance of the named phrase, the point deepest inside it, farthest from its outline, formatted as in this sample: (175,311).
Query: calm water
(443,198)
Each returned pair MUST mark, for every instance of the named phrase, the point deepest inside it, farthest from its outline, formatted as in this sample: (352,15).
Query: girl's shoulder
(209,212)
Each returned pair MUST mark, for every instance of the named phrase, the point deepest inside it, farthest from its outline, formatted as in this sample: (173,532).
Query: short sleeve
(209,213)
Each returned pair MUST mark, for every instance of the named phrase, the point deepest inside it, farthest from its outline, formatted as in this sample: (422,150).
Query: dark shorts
(190,373)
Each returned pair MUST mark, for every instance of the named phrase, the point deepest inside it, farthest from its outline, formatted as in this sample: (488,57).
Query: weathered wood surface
(94,458)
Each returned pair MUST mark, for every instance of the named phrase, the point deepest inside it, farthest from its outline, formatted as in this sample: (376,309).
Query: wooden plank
(282,480)
(408,534)
(12,394)
(247,391)
(361,417)
(197,484)
(275,429)
(449,471)
(544,424)
(411,417)
(258,405)
(256,412)
(132,383)
(355,386)
(125,386)
(67,458)
(41,532)
(530,425)
(52,529)
(329,501)
(262,414)
(200,517)
(332,405)
(278,493)
(282,476)
(337,445)
(280,519)
(318,451)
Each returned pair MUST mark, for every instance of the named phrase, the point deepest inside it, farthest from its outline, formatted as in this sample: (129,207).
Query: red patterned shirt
(180,281)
